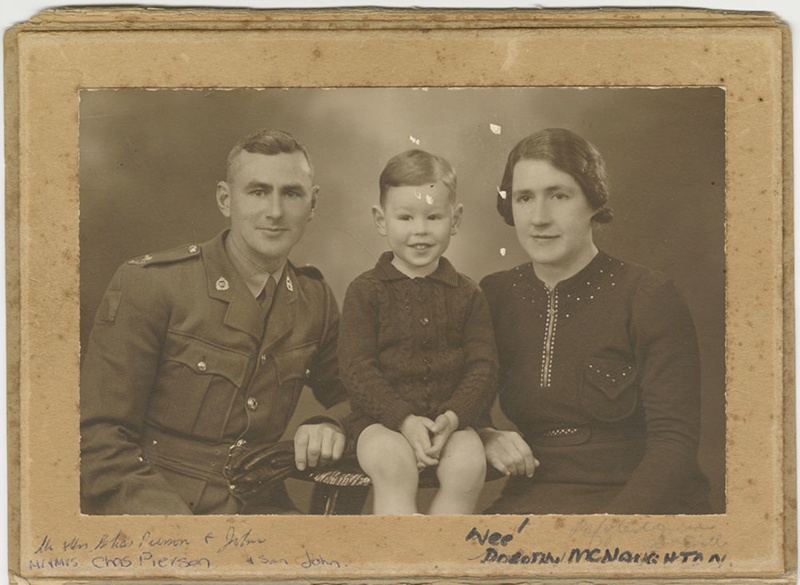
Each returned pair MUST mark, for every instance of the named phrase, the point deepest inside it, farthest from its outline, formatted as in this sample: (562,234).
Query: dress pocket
(609,389)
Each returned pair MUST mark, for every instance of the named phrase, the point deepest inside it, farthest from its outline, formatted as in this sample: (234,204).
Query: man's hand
(508,452)
(417,431)
(444,426)
(317,444)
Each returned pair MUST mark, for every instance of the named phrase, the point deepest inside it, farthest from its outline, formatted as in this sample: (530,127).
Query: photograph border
(62,48)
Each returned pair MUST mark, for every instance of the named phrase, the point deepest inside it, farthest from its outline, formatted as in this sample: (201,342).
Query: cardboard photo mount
(57,54)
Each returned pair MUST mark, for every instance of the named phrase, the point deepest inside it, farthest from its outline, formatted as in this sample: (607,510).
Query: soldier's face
(269,200)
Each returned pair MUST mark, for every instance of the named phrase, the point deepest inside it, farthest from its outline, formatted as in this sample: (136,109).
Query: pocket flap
(610,375)
(294,363)
(204,357)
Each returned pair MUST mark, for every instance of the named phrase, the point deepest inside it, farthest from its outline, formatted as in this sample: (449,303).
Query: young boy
(416,347)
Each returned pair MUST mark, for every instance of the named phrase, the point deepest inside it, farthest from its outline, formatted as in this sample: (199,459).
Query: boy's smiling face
(418,222)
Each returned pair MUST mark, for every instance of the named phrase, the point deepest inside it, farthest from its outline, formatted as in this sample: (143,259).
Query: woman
(599,360)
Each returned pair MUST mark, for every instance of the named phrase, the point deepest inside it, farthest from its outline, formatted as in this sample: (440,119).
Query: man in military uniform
(203,350)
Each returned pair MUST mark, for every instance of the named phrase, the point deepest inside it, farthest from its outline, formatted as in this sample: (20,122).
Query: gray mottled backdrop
(150,160)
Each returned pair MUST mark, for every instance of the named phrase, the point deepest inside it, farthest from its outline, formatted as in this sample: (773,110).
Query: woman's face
(552,217)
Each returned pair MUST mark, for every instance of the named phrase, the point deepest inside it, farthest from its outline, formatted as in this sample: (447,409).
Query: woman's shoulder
(644,278)
(503,278)
(651,290)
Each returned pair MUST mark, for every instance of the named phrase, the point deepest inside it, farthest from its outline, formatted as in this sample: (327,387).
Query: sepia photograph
(395,295)
(603,339)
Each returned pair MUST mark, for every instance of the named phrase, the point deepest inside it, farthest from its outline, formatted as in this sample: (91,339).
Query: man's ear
(379,218)
(224,198)
(314,201)
(457,212)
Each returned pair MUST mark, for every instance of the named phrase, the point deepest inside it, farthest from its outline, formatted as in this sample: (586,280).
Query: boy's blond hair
(417,167)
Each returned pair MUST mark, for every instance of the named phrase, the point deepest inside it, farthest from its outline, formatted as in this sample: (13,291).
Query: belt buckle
(235,452)
(561,432)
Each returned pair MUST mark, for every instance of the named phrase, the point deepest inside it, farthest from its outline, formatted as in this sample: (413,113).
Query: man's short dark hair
(269,142)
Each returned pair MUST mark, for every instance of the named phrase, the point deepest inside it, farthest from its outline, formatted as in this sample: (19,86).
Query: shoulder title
(168,256)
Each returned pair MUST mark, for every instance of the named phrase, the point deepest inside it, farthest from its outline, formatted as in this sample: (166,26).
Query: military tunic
(182,364)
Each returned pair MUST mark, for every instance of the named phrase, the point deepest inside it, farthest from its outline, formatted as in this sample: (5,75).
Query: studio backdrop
(150,161)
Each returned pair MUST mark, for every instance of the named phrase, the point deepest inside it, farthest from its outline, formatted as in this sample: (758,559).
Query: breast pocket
(609,391)
(292,369)
(195,376)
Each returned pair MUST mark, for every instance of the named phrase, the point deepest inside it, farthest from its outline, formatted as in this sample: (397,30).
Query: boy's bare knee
(464,459)
(385,454)
(466,467)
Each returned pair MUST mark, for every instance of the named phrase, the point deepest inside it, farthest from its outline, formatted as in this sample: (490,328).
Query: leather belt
(187,456)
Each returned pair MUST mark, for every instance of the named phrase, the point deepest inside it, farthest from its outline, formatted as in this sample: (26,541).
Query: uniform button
(192,249)
(264,358)
(202,366)
(252,403)
(424,321)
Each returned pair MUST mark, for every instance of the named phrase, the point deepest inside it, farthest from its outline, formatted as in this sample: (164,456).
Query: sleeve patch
(111,302)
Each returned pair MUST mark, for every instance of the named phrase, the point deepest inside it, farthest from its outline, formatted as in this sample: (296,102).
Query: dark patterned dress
(601,375)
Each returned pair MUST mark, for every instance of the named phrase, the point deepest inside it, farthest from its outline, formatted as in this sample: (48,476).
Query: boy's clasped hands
(427,437)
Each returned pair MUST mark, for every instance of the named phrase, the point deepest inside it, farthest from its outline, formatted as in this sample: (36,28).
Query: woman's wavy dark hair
(568,152)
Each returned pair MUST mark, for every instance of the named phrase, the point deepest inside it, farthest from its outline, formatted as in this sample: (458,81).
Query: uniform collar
(253,278)
(244,313)
(444,273)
